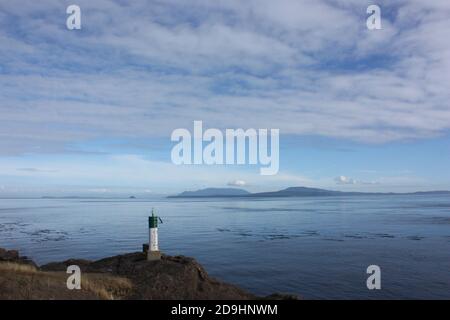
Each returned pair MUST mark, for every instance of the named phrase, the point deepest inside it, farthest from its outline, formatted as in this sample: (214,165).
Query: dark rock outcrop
(13,256)
(170,278)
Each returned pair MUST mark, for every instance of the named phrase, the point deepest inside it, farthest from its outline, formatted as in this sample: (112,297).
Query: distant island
(213,192)
(288,192)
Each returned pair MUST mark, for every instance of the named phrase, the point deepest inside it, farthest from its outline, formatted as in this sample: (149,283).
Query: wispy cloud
(141,69)
(108,172)
(343,180)
(35,170)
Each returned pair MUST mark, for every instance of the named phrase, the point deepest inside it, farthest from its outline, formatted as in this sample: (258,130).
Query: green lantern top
(153,220)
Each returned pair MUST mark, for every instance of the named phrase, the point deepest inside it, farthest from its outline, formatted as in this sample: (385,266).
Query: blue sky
(92,110)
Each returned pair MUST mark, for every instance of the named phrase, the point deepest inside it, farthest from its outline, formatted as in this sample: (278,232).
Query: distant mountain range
(213,192)
(288,192)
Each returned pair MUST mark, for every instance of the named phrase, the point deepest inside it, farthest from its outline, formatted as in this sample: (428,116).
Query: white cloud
(344,180)
(143,69)
(237,183)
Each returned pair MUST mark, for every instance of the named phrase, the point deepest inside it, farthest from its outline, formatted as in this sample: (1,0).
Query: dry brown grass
(106,287)
(19,281)
(15,267)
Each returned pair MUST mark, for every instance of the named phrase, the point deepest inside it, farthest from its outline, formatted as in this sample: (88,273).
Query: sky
(91,111)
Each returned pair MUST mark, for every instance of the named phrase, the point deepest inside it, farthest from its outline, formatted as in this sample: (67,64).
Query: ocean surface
(318,247)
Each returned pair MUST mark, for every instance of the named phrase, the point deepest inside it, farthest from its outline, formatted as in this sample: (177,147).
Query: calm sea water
(314,247)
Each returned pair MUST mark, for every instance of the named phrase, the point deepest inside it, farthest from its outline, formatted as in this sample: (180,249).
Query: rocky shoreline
(127,276)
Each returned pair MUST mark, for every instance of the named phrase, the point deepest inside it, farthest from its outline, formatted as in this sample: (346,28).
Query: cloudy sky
(92,110)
